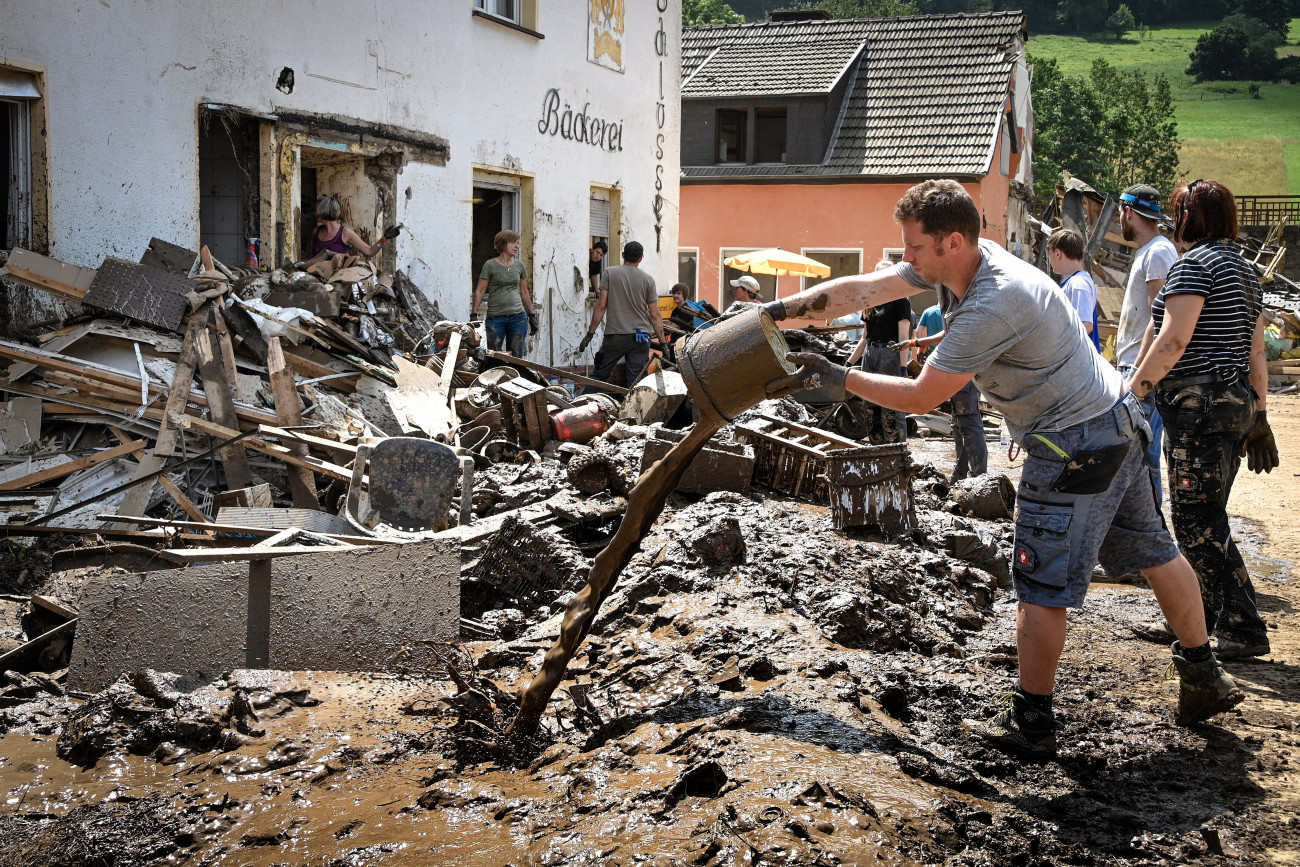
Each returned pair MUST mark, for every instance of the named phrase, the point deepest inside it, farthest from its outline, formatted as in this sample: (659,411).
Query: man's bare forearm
(845,295)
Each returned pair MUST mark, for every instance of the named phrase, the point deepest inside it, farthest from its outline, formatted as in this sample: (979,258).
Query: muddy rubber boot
(1019,727)
(1204,689)
(1227,647)
(1155,631)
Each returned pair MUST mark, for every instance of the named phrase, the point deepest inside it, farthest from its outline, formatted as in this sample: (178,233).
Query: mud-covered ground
(761,689)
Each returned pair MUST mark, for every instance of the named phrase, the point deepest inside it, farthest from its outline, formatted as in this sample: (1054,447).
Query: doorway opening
(229,189)
(496,208)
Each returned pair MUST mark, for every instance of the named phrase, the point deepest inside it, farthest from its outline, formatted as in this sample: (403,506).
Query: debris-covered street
(760,688)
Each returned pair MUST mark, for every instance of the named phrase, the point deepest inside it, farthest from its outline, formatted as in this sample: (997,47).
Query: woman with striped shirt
(1203,356)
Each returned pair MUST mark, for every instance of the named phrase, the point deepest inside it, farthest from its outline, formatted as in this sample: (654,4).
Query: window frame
(724,284)
(524,19)
(811,252)
(742,147)
(759,115)
(694,284)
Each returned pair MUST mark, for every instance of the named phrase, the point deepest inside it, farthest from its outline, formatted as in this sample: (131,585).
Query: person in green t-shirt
(510,313)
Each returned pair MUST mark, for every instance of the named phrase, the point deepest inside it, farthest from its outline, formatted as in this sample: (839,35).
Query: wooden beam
(51,473)
(555,371)
(234,459)
(137,499)
(308,439)
(316,465)
(207,555)
(288,407)
(185,502)
(244,530)
(61,278)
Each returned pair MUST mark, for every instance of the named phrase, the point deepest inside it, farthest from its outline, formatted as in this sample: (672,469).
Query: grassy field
(1252,145)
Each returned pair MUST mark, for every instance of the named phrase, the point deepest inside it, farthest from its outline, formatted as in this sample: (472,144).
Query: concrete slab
(363,609)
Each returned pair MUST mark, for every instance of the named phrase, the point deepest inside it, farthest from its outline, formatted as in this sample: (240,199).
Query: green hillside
(1252,145)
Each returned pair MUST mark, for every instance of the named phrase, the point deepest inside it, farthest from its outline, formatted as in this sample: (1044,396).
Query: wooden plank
(420,399)
(234,459)
(137,499)
(227,555)
(19,369)
(308,439)
(555,371)
(315,464)
(227,348)
(62,278)
(226,529)
(112,376)
(309,369)
(49,603)
(185,502)
(36,478)
(39,640)
(288,408)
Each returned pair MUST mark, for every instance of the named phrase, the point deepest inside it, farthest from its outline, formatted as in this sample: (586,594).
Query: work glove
(775,309)
(665,349)
(1259,448)
(533,327)
(390,233)
(586,341)
(914,368)
(815,371)
(899,346)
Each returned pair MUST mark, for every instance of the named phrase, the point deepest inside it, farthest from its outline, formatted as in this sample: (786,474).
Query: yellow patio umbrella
(779,262)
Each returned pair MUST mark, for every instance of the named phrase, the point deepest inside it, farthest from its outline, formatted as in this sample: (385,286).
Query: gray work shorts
(1098,504)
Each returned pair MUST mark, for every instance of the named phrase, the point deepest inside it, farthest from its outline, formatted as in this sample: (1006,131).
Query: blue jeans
(968,433)
(512,329)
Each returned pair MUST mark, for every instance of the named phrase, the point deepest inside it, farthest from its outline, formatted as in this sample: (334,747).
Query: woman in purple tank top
(331,236)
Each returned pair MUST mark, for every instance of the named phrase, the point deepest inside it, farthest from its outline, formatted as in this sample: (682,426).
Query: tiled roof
(925,100)
(736,69)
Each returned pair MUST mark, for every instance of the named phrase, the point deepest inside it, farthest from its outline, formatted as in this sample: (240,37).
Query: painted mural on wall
(605,33)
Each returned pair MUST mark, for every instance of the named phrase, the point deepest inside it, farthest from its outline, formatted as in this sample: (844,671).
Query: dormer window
(769,135)
(731,141)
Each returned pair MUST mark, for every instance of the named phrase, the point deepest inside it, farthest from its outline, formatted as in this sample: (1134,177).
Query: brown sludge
(734,360)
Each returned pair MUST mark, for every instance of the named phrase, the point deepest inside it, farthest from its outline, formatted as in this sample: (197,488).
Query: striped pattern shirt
(1220,343)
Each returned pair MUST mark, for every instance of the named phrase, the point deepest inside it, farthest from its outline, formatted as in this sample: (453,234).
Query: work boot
(1155,631)
(1226,647)
(1019,727)
(1204,688)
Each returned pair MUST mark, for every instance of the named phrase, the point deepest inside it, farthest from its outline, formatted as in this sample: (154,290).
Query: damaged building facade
(217,125)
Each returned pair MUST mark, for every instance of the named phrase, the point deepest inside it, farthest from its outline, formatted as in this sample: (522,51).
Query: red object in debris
(581,423)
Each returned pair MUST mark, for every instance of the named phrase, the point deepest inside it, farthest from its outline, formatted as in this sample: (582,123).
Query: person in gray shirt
(629,305)
(1084,492)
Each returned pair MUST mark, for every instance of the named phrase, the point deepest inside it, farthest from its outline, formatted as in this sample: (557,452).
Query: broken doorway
(496,208)
(18,91)
(330,171)
(229,190)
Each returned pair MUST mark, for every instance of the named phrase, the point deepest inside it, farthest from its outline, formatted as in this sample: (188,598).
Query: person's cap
(747,283)
(633,251)
(1143,198)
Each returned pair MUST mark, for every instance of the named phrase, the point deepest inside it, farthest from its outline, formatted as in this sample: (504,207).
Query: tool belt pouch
(1092,471)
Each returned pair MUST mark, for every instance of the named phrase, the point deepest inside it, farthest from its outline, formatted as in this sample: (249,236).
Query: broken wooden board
(166,256)
(255,497)
(284,519)
(20,423)
(39,477)
(42,272)
(219,528)
(141,293)
(420,399)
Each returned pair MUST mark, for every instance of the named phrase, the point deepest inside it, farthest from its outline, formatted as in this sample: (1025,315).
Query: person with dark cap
(629,306)
(596,265)
(1139,219)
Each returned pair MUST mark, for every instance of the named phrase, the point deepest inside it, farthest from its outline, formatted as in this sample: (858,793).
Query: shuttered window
(599,215)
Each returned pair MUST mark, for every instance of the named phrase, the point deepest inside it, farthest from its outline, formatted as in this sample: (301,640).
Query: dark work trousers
(625,348)
(886,425)
(1205,425)
(968,433)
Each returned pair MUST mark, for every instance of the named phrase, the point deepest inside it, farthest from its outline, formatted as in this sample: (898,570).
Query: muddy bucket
(727,367)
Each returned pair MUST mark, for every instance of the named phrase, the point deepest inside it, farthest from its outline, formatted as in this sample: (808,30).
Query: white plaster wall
(125,79)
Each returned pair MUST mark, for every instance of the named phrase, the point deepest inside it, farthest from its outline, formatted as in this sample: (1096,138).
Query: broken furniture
(861,484)
(719,466)
(410,487)
(524,412)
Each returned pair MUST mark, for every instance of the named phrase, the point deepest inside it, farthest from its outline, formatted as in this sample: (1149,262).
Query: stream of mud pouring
(644,504)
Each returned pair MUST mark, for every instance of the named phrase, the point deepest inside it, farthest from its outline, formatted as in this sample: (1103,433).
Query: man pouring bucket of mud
(1084,491)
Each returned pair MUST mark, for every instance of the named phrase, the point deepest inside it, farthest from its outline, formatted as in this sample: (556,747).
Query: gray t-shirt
(1016,331)
(1151,262)
(629,290)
